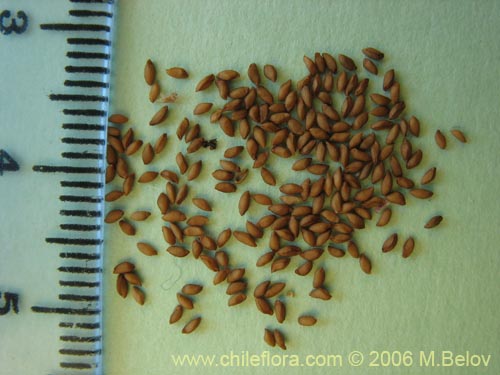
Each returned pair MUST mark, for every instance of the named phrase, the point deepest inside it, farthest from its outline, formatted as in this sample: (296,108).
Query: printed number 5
(18,29)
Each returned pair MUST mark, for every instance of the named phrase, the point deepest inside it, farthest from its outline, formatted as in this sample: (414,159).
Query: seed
(113,216)
(154,92)
(388,79)
(191,325)
(185,302)
(202,108)
(235,275)
(253,74)
(174,216)
(132,278)
(370,66)
(428,176)
(123,267)
(260,290)
(330,62)
(118,118)
(320,293)
(353,250)
(307,320)
(280,339)
(268,177)
(228,75)
(127,228)
(121,286)
(138,295)
(263,306)
(236,299)
(146,249)
(194,170)
(205,82)
(265,259)
(225,187)
(365,264)
(244,202)
(148,154)
(202,204)
(149,72)
(176,314)
(310,65)
(269,338)
(274,289)
(178,251)
(373,53)
(147,177)
(336,252)
(414,160)
(159,116)
(270,72)
(182,194)
(192,289)
(408,247)
(236,287)
(223,237)
(177,72)
(319,277)
(459,135)
(280,264)
(280,310)
(233,152)
(181,162)
(421,193)
(440,139)
(245,238)
(390,243)
(347,62)
(301,164)
(434,221)
(396,198)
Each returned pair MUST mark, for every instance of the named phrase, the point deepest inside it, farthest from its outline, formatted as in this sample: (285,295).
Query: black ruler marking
(80,227)
(85,83)
(82,126)
(80,256)
(80,325)
(79,284)
(77,297)
(64,310)
(88,270)
(89,41)
(80,213)
(80,338)
(87,55)
(85,112)
(93,1)
(77,98)
(82,184)
(82,155)
(77,365)
(83,141)
(80,199)
(66,169)
(86,69)
(89,13)
(79,352)
(74,241)
(74,27)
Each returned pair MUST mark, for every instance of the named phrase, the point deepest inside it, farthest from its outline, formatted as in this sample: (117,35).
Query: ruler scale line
(74,27)
(80,256)
(77,365)
(80,199)
(80,227)
(79,352)
(82,155)
(78,297)
(93,1)
(85,112)
(64,310)
(86,69)
(89,13)
(83,141)
(80,338)
(83,126)
(89,41)
(81,213)
(77,98)
(88,270)
(79,325)
(87,55)
(82,184)
(74,241)
(66,169)
(79,284)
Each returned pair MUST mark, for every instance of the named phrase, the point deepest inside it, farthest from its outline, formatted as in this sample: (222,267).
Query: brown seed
(113,196)
(236,299)
(330,62)
(365,264)
(267,177)
(160,143)
(140,215)
(319,278)
(274,289)
(270,72)
(202,204)
(185,301)
(225,187)
(428,176)
(181,162)
(147,177)
(336,252)
(159,116)
(307,320)
(280,339)
(244,238)
(269,338)
(192,289)
(414,160)
(228,75)
(149,72)
(174,216)
(396,197)
(408,247)
(148,154)
(154,92)
(388,79)
(236,287)
(370,66)
(178,251)
(320,293)
(191,325)
(223,237)
(113,216)
(280,264)
(261,289)
(421,193)
(244,203)
(194,170)
(233,152)
(264,306)
(110,173)
(253,74)
(310,65)
(117,118)
(280,311)
(146,249)
(138,295)
(121,286)
(265,259)
(459,135)
(235,275)
(434,221)
(347,62)
(176,314)
(123,267)
(202,108)
(414,126)
(177,72)
(205,82)
(353,250)
(440,139)
(127,228)
(132,278)
(390,243)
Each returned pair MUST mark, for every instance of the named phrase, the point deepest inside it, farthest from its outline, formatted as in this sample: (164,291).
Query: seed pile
(351,143)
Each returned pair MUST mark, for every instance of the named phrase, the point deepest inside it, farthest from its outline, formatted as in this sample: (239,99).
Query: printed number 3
(18,29)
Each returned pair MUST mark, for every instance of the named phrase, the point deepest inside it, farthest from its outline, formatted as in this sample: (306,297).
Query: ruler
(54,73)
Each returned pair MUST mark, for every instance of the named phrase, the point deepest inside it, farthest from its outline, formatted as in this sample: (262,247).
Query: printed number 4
(7,163)
(13,26)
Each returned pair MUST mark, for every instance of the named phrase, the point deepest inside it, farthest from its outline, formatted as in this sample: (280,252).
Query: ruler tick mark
(86,69)
(82,184)
(74,241)
(77,98)
(77,297)
(80,325)
(80,227)
(80,126)
(89,41)
(74,27)
(64,310)
(85,112)
(87,55)
(79,284)
(82,155)
(66,169)
(80,256)
(80,269)
(89,13)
